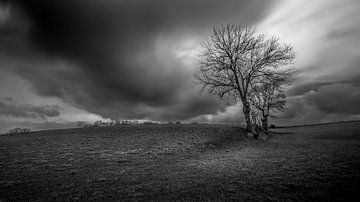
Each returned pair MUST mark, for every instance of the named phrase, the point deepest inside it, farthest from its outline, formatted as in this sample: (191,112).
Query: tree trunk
(249,125)
(265,123)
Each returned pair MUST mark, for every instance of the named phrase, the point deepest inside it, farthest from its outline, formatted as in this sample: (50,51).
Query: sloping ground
(181,162)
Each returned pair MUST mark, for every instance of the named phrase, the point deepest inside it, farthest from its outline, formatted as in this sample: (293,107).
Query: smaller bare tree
(268,95)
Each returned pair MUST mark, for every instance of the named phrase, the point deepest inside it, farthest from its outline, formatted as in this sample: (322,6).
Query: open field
(182,162)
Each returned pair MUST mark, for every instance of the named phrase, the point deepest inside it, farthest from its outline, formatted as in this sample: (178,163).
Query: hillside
(181,162)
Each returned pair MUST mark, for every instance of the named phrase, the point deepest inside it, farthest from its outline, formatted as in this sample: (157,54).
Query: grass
(181,162)
(318,124)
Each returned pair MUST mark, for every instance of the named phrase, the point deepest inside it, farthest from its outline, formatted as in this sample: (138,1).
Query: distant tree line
(16,131)
(100,123)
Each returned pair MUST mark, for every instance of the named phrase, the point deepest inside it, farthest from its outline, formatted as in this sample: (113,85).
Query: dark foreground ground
(182,162)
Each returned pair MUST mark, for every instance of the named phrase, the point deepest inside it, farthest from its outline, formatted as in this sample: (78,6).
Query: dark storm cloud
(28,111)
(336,98)
(190,108)
(324,103)
(302,88)
(295,108)
(111,52)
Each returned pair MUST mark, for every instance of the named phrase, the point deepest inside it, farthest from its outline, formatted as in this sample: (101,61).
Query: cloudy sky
(65,61)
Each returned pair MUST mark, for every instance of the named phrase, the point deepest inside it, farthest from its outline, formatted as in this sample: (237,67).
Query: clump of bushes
(16,131)
(98,123)
(150,123)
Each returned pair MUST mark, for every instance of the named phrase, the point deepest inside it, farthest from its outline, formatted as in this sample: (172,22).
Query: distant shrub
(82,124)
(100,123)
(16,131)
(149,123)
(88,125)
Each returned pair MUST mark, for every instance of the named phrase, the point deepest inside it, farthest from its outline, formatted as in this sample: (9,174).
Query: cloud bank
(134,59)
(117,58)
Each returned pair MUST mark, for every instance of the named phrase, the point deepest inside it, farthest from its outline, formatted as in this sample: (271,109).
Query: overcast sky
(84,60)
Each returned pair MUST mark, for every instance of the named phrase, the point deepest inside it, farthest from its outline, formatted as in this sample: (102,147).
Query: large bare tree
(235,57)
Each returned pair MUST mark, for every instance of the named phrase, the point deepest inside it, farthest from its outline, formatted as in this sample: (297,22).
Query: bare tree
(268,96)
(235,57)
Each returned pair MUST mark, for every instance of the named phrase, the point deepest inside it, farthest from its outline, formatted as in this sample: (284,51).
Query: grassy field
(182,162)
